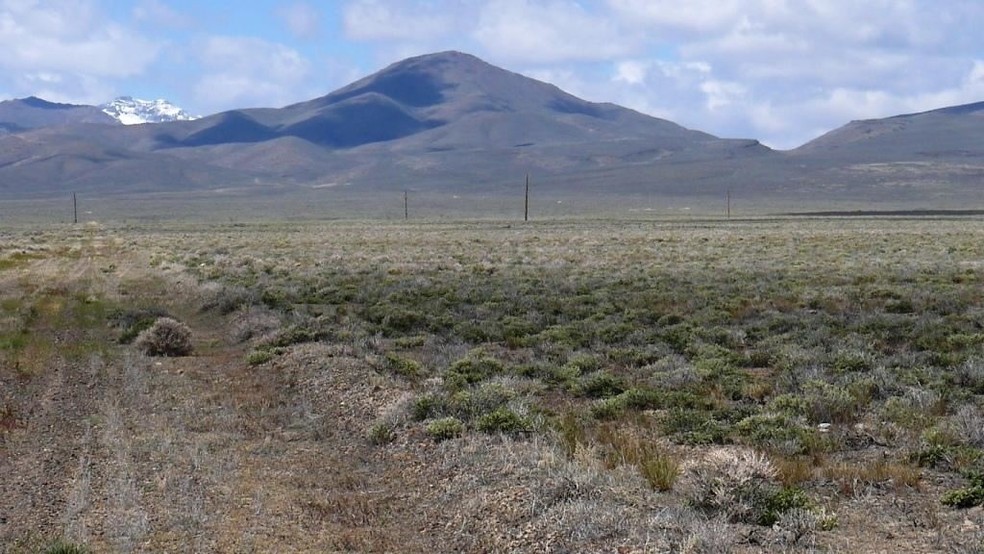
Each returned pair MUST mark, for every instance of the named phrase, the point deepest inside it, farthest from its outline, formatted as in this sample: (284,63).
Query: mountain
(133,111)
(440,101)
(952,132)
(32,113)
(929,158)
(441,120)
(450,123)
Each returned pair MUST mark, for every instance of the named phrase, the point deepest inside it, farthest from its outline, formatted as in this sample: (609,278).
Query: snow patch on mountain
(133,111)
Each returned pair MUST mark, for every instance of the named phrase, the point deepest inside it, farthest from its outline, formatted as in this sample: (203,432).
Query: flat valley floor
(763,385)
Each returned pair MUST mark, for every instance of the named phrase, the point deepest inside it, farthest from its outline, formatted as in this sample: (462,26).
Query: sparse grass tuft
(62,547)
(661,470)
(381,433)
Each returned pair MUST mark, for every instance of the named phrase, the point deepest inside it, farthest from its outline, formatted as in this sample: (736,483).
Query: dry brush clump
(733,482)
(166,337)
(741,486)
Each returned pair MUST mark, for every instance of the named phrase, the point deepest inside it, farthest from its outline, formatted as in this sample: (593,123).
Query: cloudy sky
(782,71)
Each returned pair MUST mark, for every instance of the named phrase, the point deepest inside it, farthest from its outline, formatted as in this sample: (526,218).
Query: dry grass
(594,368)
(857,477)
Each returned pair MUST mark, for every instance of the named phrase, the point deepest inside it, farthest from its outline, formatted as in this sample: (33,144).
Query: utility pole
(729,203)
(406,206)
(75,209)
(526,206)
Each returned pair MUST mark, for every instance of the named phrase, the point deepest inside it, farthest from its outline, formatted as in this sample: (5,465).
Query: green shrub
(166,337)
(445,428)
(789,404)
(827,403)
(969,496)
(949,457)
(775,432)
(472,369)
(488,397)
(964,498)
(407,367)
(257,357)
(608,408)
(396,321)
(504,420)
(781,501)
(517,332)
(427,406)
(299,334)
(381,433)
(600,384)
(694,427)
(583,363)
(853,362)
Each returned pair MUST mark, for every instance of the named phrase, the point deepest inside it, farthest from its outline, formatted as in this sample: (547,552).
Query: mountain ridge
(451,122)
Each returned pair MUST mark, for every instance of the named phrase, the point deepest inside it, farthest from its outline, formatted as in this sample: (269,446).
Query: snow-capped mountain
(132,111)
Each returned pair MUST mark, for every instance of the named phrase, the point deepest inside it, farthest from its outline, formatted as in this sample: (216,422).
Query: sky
(780,71)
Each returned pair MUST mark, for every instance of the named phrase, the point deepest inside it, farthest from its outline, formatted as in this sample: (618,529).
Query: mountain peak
(451,100)
(133,111)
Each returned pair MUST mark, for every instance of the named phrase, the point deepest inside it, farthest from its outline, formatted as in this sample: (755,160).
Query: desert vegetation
(632,386)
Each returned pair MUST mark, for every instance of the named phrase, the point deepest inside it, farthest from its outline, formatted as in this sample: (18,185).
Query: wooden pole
(75,209)
(526,206)
(406,206)
(729,203)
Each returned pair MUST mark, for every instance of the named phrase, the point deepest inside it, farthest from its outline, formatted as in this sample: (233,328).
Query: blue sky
(782,71)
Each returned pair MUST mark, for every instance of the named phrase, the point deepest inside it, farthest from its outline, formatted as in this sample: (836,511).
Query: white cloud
(722,94)
(690,17)
(249,72)
(68,88)
(549,31)
(72,37)
(784,71)
(159,14)
(632,72)
(370,20)
(302,19)
(68,51)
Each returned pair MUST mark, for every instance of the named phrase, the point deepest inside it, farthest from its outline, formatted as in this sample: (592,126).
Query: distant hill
(452,123)
(953,132)
(440,120)
(32,113)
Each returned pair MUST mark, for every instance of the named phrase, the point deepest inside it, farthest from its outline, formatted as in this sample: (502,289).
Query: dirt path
(126,453)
